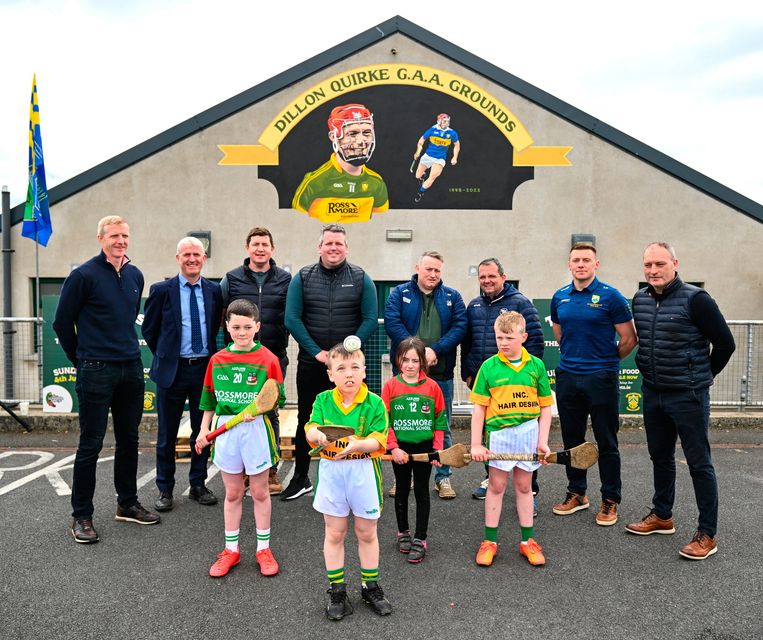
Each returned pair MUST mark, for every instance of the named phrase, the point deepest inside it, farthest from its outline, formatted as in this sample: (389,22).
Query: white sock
(231,540)
(263,539)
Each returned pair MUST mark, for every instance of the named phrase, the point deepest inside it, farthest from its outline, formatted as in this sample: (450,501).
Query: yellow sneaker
(532,551)
(486,553)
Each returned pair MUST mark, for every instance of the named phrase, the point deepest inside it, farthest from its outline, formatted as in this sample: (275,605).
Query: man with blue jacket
(496,297)
(426,308)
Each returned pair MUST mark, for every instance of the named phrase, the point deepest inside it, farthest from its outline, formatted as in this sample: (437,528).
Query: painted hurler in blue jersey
(438,139)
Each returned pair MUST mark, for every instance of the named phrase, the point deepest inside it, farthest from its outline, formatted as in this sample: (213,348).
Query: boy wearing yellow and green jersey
(512,402)
(349,477)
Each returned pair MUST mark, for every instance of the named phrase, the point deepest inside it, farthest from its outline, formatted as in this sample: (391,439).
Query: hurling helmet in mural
(353,144)
(443,121)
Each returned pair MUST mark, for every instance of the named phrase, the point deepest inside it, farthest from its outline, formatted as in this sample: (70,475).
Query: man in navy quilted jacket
(496,297)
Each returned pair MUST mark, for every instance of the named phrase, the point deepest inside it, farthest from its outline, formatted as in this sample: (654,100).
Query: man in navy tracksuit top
(426,308)
(95,325)
(587,315)
(496,297)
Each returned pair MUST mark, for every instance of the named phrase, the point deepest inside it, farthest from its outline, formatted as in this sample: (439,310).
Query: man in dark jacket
(426,308)
(327,301)
(95,325)
(262,282)
(677,325)
(496,297)
(180,324)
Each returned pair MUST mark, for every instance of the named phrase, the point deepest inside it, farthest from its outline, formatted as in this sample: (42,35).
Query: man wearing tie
(180,325)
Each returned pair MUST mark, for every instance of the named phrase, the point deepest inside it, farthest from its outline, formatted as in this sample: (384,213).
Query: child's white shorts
(349,485)
(249,446)
(520,439)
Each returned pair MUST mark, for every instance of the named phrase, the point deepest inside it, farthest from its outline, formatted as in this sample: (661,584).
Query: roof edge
(371,36)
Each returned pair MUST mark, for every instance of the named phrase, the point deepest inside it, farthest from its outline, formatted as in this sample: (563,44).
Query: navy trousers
(684,414)
(598,395)
(170,404)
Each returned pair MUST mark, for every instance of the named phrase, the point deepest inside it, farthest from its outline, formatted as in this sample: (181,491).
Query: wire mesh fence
(22,357)
(739,385)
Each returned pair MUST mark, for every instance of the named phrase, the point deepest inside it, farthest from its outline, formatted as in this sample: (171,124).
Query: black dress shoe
(202,495)
(83,531)
(164,501)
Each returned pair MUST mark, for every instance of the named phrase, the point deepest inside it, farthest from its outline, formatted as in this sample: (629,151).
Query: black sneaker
(83,531)
(202,495)
(298,486)
(164,501)
(417,198)
(373,595)
(137,513)
(339,604)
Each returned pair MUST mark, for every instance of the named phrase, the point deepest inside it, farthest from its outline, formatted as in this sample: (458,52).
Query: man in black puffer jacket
(260,281)
(496,297)
(676,324)
(327,301)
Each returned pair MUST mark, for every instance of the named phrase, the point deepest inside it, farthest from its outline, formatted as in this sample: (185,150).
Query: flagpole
(38,315)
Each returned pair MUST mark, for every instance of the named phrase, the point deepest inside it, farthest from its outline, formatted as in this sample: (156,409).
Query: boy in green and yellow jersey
(512,400)
(349,477)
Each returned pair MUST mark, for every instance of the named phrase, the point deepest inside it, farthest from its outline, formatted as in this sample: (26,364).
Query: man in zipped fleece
(95,325)
(327,301)
(677,324)
(262,282)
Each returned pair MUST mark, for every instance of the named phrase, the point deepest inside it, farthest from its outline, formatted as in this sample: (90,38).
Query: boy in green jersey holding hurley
(349,477)
(512,400)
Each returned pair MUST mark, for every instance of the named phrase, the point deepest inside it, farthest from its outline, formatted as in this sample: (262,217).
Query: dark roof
(434,42)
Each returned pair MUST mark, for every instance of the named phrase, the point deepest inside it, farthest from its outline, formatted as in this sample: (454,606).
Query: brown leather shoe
(651,524)
(607,515)
(701,546)
(83,531)
(274,484)
(572,503)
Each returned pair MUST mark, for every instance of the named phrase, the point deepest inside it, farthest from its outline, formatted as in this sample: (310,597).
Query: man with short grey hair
(426,308)
(684,342)
(180,325)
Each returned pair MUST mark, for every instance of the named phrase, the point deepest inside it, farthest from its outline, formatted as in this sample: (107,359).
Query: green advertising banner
(630,377)
(59,375)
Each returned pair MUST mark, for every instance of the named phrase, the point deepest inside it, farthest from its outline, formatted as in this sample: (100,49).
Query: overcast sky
(687,81)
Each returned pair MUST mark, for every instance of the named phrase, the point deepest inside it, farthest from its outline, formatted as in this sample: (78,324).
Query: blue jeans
(447,391)
(598,395)
(684,414)
(101,386)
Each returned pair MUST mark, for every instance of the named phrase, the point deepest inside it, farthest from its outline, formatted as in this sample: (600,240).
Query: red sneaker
(268,564)
(226,560)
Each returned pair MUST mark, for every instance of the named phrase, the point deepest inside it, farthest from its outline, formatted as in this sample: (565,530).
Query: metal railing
(740,384)
(21,376)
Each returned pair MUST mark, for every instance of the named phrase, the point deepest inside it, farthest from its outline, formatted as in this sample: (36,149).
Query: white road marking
(212,471)
(146,478)
(40,472)
(42,458)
